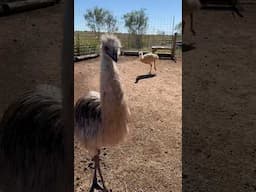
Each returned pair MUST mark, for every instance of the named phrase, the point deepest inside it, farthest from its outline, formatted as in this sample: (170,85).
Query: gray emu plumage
(31,142)
(101,118)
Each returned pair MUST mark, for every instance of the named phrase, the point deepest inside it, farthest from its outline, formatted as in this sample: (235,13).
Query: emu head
(110,46)
(140,54)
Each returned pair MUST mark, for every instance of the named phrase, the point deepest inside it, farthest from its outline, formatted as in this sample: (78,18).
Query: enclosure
(150,159)
(87,42)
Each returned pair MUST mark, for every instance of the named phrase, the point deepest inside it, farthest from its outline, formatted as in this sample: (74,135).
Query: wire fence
(87,42)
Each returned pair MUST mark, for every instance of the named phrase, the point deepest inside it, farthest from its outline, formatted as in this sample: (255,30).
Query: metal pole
(67,69)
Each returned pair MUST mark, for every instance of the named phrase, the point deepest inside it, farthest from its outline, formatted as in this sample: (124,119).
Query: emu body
(31,142)
(149,58)
(101,118)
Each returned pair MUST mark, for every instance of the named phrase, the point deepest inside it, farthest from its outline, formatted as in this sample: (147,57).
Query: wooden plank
(18,6)
(232,5)
(172,48)
(130,53)
(161,47)
(84,57)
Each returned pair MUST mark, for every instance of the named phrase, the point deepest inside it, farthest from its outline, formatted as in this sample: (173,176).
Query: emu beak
(112,54)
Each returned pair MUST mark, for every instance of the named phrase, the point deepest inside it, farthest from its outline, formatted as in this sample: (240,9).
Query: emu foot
(96,186)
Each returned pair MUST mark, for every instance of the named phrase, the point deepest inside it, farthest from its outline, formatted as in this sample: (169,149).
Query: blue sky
(160,12)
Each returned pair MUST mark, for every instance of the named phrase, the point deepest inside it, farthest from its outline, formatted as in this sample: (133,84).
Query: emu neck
(110,87)
(114,111)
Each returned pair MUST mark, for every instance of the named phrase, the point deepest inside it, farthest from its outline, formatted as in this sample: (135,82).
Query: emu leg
(95,184)
(101,177)
(155,65)
(192,24)
(150,68)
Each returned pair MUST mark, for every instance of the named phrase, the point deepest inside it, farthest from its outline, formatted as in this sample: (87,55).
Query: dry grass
(150,159)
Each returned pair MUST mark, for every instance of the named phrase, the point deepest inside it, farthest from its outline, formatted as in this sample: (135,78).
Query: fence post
(174,37)
(78,43)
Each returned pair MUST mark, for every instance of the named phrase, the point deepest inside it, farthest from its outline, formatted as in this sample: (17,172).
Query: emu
(101,118)
(148,58)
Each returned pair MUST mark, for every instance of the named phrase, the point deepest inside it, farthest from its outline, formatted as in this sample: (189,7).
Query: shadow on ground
(139,77)
(188,47)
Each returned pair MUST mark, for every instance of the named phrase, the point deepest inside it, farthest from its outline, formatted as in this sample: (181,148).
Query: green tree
(95,19)
(110,23)
(98,19)
(178,27)
(136,22)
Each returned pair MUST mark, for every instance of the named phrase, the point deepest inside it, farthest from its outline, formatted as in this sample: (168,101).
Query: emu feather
(31,140)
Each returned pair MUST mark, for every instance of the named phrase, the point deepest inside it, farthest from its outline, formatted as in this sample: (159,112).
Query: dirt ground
(30,51)
(150,159)
(218,111)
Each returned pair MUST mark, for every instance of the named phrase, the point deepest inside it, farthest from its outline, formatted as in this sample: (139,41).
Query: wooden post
(78,44)
(174,37)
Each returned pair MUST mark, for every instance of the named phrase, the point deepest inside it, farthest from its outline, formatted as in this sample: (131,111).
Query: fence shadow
(139,77)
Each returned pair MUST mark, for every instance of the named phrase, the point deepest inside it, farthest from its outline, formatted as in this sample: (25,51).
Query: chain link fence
(87,42)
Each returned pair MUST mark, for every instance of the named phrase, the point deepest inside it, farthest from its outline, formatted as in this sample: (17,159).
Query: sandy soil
(219,103)
(150,159)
